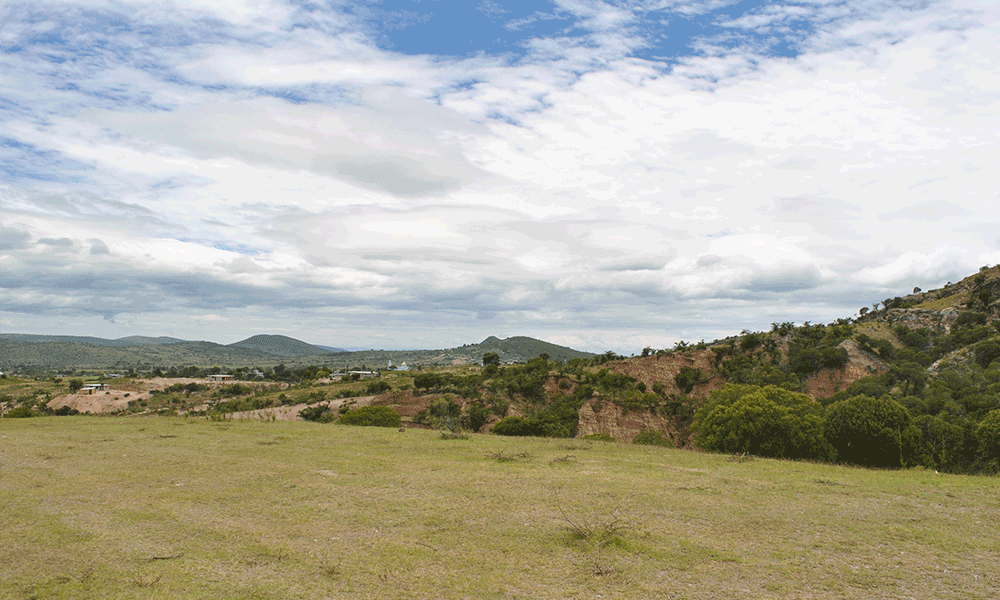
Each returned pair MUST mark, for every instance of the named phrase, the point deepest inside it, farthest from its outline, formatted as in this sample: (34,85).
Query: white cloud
(572,194)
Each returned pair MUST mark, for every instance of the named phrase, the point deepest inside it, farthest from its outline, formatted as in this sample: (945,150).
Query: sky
(606,175)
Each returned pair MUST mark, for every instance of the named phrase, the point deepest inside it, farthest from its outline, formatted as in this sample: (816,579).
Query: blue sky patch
(498,27)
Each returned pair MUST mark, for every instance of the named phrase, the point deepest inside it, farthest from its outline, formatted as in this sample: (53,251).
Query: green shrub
(769,421)
(687,378)
(940,444)
(20,412)
(600,437)
(318,414)
(372,416)
(378,387)
(530,426)
(475,416)
(986,352)
(236,389)
(872,432)
(650,437)
(988,434)
(75,385)
(427,381)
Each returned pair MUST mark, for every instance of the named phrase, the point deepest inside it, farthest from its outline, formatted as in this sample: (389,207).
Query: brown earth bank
(291,413)
(605,418)
(663,370)
(860,364)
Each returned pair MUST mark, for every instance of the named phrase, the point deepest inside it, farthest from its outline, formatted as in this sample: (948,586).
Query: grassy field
(175,508)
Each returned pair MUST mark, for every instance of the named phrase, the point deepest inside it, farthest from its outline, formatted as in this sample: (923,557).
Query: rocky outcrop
(961,359)
(605,418)
(826,382)
(938,321)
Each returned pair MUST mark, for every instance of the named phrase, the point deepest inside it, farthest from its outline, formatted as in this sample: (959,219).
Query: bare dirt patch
(104,402)
(291,413)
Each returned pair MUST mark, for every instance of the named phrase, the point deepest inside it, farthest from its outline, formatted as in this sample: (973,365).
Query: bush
(442,414)
(687,378)
(427,381)
(769,421)
(988,434)
(475,417)
(21,412)
(600,437)
(75,385)
(529,426)
(378,387)
(318,414)
(650,437)
(372,416)
(939,445)
(986,352)
(871,432)
(235,389)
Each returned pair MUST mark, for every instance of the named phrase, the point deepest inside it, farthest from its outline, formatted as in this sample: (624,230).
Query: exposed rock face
(939,321)
(960,359)
(826,382)
(664,369)
(612,420)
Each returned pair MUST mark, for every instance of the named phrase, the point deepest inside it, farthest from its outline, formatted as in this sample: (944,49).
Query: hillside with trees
(908,381)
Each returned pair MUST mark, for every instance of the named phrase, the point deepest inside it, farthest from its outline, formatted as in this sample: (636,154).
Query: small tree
(75,385)
(476,415)
(378,387)
(940,443)
(769,421)
(988,434)
(872,432)
(986,352)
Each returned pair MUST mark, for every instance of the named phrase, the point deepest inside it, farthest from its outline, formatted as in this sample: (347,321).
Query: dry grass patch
(167,508)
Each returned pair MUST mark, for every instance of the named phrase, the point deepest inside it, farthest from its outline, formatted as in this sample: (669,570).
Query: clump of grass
(596,533)
(504,456)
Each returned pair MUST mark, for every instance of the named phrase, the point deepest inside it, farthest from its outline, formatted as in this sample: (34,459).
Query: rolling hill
(44,353)
(282,345)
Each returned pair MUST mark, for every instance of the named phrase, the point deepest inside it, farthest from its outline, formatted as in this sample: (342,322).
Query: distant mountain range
(55,352)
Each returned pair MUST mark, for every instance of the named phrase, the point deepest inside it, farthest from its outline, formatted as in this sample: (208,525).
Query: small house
(90,388)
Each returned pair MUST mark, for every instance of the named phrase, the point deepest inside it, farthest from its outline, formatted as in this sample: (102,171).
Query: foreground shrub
(650,437)
(530,426)
(768,421)
(940,443)
(476,415)
(319,414)
(372,416)
(20,412)
(988,434)
(871,432)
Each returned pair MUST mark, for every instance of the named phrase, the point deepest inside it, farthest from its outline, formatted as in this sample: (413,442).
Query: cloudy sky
(424,173)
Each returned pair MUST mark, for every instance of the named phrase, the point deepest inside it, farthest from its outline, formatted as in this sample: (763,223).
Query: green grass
(174,508)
